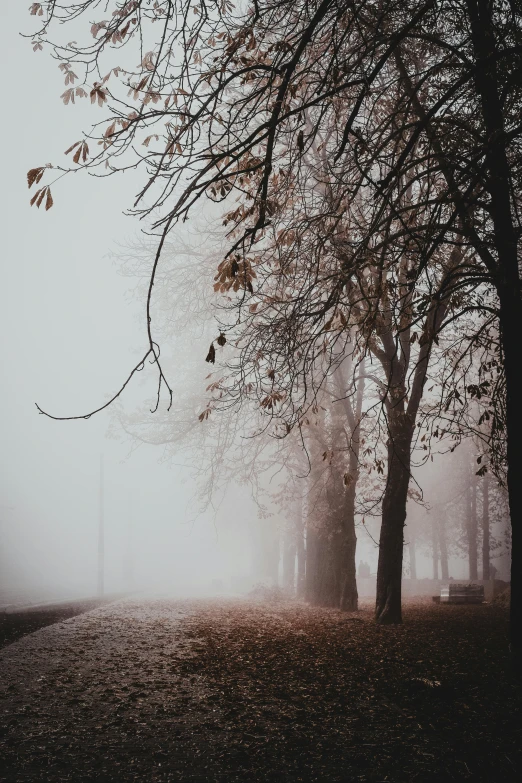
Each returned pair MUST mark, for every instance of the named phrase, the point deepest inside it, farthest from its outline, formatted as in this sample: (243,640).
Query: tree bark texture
(506,277)
(348,598)
(391,541)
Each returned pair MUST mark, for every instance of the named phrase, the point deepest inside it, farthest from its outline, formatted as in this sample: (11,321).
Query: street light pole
(101,533)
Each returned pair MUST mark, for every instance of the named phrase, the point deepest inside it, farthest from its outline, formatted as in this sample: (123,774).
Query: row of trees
(365,159)
(464,517)
(328,481)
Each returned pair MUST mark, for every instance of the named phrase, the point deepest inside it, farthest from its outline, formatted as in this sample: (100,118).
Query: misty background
(71,330)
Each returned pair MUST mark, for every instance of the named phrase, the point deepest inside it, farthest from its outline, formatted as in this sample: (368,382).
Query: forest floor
(238,691)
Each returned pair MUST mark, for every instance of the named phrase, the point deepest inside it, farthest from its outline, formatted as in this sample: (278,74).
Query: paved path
(17,621)
(84,698)
(164,691)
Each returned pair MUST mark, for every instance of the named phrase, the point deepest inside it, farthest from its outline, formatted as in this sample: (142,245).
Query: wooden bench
(457,593)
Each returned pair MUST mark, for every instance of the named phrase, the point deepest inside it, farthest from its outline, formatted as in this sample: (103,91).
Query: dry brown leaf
(36,196)
(35,175)
(72,147)
(41,197)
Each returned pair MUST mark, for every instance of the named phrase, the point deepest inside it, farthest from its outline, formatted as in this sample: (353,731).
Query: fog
(71,328)
(259,436)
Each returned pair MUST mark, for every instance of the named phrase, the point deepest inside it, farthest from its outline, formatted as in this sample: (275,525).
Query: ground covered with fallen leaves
(230,690)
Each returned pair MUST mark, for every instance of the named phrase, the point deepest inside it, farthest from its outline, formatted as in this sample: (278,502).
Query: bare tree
(235,113)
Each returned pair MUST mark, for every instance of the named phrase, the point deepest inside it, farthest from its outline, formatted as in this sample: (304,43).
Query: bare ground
(241,691)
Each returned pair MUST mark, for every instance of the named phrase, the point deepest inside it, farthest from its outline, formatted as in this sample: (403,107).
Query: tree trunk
(401,423)
(391,542)
(327,584)
(506,277)
(514,471)
(348,594)
(349,598)
(485,527)
(472,526)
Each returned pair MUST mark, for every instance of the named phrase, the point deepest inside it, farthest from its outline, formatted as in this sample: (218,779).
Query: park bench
(455,593)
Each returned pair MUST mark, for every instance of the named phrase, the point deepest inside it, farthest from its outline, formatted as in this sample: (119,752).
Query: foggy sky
(70,333)
(71,330)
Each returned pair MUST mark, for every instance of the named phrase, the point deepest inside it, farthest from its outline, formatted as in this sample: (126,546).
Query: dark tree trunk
(514,473)
(330,552)
(391,542)
(348,599)
(485,527)
(330,574)
(348,596)
(511,322)
(472,526)
(506,277)
(401,417)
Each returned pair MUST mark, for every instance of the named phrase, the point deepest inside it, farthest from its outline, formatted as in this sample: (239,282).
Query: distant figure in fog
(364,569)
